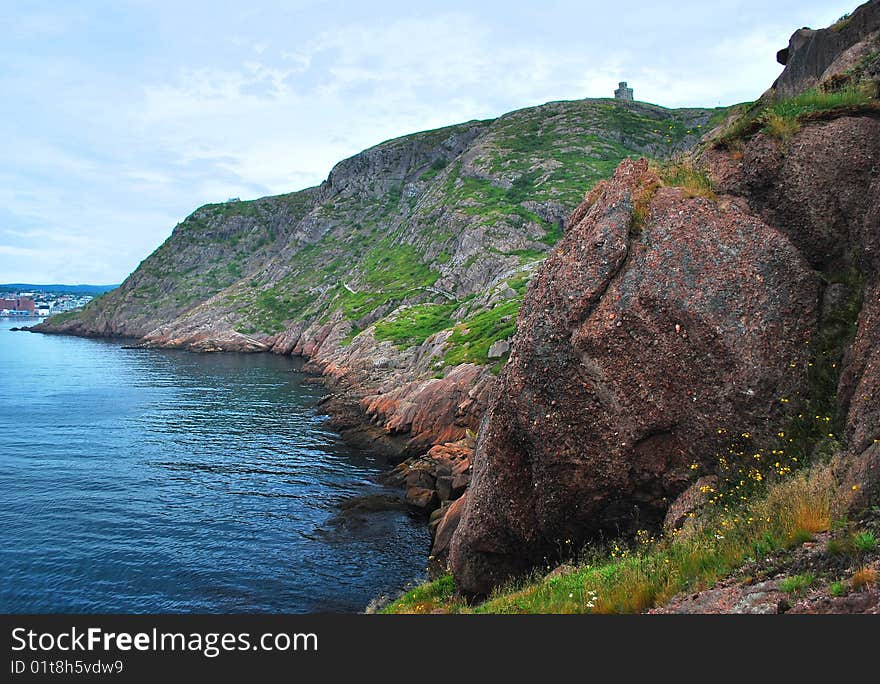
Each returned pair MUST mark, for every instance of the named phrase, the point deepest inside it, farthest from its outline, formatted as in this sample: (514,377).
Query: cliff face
(638,355)
(396,275)
(713,315)
(814,57)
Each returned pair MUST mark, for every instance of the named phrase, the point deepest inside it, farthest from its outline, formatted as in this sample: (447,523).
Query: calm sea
(166,481)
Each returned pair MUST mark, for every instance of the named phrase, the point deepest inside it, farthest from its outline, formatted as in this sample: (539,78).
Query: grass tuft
(797,584)
(837,588)
(865,541)
(685,175)
(780,127)
(863,577)
(425,598)
(414,325)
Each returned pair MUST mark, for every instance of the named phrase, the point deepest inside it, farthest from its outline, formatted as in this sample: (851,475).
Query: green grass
(414,325)
(842,22)
(271,309)
(471,339)
(392,273)
(837,588)
(554,234)
(426,597)
(814,100)
(797,584)
(436,167)
(529,255)
(865,541)
(782,119)
(62,317)
(692,179)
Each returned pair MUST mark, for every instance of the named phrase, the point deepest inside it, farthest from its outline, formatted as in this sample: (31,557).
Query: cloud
(117,124)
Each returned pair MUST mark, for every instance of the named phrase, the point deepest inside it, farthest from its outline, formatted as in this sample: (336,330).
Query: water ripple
(162,481)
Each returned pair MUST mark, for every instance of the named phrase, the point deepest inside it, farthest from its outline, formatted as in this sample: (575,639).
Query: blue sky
(120,118)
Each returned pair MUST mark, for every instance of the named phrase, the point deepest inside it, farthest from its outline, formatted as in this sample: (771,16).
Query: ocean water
(166,481)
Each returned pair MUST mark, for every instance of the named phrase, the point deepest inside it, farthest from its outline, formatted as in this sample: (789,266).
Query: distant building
(18,305)
(623,92)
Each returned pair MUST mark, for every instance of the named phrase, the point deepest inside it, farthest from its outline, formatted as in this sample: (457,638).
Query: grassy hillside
(431,221)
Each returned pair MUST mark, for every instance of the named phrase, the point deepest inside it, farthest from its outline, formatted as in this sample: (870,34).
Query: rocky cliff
(401,275)
(713,316)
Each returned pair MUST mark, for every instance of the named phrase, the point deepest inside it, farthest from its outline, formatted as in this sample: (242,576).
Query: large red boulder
(660,326)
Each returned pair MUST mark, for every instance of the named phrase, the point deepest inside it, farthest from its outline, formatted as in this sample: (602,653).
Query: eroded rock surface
(814,56)
(639,350)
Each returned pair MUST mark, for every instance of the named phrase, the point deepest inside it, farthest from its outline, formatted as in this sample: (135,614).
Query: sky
(119,118)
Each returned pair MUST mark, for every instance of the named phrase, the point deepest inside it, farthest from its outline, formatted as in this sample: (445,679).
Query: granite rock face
(816,56)
(822,189)
(639,350)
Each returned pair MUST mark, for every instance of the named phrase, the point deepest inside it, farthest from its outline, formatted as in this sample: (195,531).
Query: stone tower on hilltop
(623,93)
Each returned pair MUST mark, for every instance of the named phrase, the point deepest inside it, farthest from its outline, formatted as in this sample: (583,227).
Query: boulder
(443,535)
(444,487)
(815,56)
(422,498)
(822,189)
(498,349)
(421,477)
(661,325)
(689,502)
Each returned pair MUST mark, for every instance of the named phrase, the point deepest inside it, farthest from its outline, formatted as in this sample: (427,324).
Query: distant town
(14,304)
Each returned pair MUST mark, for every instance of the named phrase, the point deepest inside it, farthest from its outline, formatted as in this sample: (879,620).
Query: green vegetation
(553,235)
(816,429)
(392,272)
(559,158)
(768,501)
(63,316)
(683,174)
(865,541)
(814,100)
(208,253)
(837,588)
(471,339)
(272,308)
(627,578)
(427,597)
(841,23)
(797,584)
(415,324)
(782,119)
(436,167)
